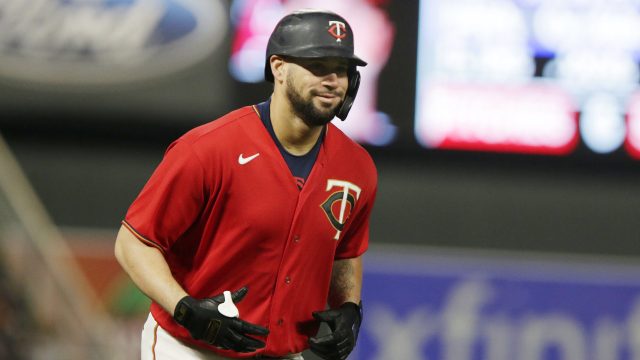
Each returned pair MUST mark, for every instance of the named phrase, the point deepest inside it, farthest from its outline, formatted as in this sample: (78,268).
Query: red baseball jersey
(225,210)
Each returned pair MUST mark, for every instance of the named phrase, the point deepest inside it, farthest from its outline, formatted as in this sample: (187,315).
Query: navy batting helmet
(316,34)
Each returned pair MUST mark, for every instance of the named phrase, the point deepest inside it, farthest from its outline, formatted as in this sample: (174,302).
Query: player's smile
(328,99)
(325,102)
(328,94)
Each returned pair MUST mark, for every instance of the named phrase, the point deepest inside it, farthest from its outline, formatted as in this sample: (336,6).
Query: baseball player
(268,205)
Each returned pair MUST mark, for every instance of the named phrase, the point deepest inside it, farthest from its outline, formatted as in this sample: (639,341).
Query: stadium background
(527,234)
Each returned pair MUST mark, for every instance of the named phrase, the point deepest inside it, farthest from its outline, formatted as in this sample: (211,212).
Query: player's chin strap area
(352,90)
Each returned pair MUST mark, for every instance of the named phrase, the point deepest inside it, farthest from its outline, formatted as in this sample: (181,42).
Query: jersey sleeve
(171,200)
(356,239)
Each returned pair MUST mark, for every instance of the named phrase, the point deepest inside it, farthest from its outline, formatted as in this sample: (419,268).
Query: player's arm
(346,282)
(148,269)
(345,313)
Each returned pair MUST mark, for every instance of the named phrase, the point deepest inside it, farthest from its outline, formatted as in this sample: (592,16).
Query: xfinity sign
(443,307)
(87,42)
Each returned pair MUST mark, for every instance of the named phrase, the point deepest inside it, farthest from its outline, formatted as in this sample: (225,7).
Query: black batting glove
(344,323)
(206,323)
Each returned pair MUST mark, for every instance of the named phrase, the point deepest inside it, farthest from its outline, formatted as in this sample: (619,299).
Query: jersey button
(287,280)
(280,322)
(296,238)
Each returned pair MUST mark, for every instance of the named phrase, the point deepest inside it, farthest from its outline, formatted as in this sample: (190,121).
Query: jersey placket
(285,278)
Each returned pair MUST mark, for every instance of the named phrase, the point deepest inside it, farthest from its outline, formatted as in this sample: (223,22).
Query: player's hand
(345,325)
(206,323)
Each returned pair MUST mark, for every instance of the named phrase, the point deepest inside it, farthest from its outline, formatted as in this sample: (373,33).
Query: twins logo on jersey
(340,203)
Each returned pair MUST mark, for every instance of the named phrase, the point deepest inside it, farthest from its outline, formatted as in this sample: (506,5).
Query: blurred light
(484,40)
(253,22)
(247,65)
(589,51)
(633,125)
(602,123)
(532,119)
(94,42)
(594,44)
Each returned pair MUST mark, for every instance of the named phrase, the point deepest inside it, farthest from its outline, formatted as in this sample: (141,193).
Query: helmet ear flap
(268,75)
(350,96)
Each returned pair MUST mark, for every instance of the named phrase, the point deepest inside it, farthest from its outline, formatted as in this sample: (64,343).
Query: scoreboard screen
(529,76)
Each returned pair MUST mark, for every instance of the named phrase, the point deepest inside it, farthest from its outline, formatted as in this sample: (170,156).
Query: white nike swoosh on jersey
(243,160)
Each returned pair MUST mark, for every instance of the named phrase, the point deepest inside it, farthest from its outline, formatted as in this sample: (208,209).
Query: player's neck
(295,135)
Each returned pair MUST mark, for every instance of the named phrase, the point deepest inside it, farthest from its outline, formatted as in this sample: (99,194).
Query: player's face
(316,88)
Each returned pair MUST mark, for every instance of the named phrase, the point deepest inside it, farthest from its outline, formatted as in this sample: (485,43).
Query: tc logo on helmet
(338,30)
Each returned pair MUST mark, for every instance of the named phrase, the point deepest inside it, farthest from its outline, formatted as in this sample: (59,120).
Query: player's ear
(277,68)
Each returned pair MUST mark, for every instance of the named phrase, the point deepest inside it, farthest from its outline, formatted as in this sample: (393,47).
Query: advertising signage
(428,305)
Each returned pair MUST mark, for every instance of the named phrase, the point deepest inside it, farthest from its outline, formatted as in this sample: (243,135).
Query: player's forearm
(148,269)
(346,282)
